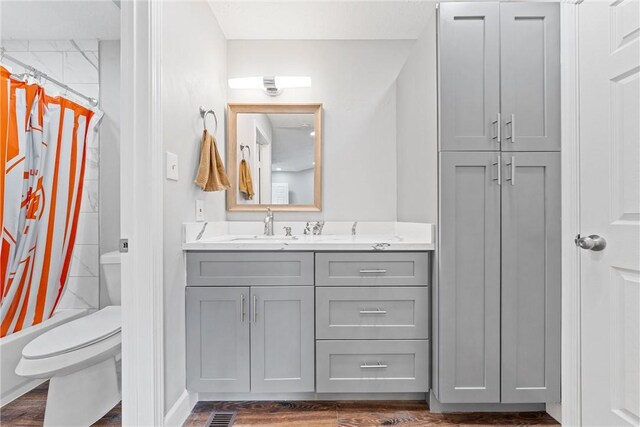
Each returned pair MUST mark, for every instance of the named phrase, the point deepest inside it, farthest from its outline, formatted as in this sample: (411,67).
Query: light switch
(199,210)
(172,166)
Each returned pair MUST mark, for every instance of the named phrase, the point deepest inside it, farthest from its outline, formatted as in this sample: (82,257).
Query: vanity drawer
(372,366)
(372,312)
(249,268)
(372,268)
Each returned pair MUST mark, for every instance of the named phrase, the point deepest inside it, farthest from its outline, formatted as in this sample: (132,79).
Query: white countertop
(336,236)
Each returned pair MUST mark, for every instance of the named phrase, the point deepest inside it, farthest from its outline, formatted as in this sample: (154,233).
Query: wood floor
(28,410)
(356,414)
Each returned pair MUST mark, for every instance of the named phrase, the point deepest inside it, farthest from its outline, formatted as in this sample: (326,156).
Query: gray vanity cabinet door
(469,74)
(469,286)
(217,339)
(530,76)
(282,339)
(531,288)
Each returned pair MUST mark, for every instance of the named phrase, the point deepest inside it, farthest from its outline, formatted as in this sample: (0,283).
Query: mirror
(274,157)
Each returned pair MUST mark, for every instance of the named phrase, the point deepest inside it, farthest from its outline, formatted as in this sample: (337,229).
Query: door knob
(592,243)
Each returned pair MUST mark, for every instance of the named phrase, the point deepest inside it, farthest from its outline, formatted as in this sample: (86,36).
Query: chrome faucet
(268,223)
(307,229)
(317,229)
(353,228)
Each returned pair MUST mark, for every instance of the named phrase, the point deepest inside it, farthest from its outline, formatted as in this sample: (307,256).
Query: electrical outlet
(199,210)
(172,166)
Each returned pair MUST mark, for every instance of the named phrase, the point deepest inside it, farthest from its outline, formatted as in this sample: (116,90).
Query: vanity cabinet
(499,74)
(363,327)
(372,322)
(499,278)
(257,338)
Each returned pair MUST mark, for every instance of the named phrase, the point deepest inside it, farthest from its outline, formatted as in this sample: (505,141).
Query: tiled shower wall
(75,63)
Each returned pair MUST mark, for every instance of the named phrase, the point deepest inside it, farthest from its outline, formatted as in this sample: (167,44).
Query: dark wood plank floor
(356,414)
(28,410)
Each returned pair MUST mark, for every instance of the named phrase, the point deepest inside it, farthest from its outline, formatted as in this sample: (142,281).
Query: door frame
(571,405)
(141,186)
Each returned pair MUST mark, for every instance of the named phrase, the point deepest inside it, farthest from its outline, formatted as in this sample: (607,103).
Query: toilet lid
(75,334)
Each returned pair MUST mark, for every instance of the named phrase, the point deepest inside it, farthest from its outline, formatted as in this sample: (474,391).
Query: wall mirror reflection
(274,157)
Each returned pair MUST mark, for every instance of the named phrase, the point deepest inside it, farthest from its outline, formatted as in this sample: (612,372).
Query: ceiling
(59,20)
(293,145)
(322,20)
(291,120)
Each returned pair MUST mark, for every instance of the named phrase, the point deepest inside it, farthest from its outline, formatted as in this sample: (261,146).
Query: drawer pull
(365,365)
(376,311)
(373,271)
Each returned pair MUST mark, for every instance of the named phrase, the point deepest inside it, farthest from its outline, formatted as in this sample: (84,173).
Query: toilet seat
(76,334)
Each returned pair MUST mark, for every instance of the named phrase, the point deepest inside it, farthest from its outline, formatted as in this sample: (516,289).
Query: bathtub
(13,386)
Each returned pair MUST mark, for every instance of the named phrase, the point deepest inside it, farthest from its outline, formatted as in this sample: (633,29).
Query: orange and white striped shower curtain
(42,160)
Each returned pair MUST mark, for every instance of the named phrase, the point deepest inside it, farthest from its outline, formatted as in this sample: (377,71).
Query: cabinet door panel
(531,278)
(282,339)
(469,74)
(217,339)
(469,285)
(530,76)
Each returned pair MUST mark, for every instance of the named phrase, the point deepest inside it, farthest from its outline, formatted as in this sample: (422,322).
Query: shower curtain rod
(37,73)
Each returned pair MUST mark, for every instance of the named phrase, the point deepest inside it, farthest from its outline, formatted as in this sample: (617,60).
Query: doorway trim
(571,405)
(141,189)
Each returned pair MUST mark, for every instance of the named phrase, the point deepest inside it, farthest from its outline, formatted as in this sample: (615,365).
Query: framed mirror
(274,157)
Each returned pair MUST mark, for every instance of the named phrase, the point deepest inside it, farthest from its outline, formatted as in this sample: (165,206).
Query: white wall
(109,152)
(75,63)
(417,131)
(355,80)
(193,74)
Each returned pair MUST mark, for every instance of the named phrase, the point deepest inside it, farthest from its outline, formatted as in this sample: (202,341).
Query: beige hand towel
(246,183)
(211,175)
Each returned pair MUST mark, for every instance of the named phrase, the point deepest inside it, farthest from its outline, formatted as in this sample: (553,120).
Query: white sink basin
(262,238)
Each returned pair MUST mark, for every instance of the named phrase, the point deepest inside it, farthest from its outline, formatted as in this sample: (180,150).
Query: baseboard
(180,411)
(555,410)
(436,406)
(309,396)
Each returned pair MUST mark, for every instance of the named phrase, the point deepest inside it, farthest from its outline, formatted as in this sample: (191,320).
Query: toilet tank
(110,264)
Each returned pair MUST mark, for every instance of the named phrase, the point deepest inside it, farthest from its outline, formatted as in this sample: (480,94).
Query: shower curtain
(42,161)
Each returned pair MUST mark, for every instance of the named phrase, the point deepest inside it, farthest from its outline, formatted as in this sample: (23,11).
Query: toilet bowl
(80,359)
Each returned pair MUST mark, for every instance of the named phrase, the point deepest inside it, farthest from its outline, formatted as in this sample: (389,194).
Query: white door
(610,207)
(280,193)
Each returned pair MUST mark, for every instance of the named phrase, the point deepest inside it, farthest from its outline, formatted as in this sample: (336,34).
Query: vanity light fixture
(272,85)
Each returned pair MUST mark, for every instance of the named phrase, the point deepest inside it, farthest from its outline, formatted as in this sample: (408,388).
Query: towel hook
(203,114)
(242,147)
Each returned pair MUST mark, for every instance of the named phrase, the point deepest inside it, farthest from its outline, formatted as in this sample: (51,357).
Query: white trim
(571,378)
(180,411)
(141,214)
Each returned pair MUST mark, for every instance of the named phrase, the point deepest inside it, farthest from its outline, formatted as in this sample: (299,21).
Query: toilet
(80,359)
